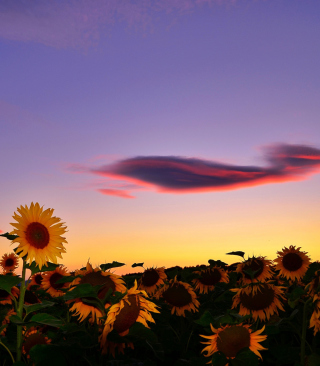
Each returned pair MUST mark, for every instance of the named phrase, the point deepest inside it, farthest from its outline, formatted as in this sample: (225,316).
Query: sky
(168,132)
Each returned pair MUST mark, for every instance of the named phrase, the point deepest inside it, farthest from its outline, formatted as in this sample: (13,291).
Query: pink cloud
(115,192)
(1,231)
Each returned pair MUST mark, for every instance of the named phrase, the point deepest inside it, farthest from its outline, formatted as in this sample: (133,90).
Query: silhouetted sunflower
(292,263)
(39,234)
(259,300)
(9,262)
(259,266)
(180,296)
(5,297)
(32,337)
(132,308)
(151,279)
(49,281)
(209,278)
(315,317)
(95,277)
(313,285)
(231,339)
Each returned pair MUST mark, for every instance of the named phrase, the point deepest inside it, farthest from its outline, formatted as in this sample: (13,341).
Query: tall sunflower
(209,277)
(49,281)
(180,296)
(32,337)
(292,263)
(132,308)
(39,234)
(94,277)
(231,339)
(259,300)
(260,266)
(9,262)
(151,279)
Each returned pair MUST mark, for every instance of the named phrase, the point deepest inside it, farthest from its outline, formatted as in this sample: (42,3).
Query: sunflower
(110,347)
(259,300)
(292,263)
(39,234)
(95,277)
(180,296)
(6,321)
(6,298)
(259,266)
(9,262)
(30,298)
(151,279)
(36,280)
(231,339)
(313,286)
(315,317)
(209,278)
(132,308)
(49,281)
(32,337)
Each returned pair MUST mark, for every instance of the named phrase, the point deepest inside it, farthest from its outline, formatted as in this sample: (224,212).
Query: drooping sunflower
(151,279)
(9,262)
(39,234)
(6,298)
(50,278)
(6,321)
(209,278)
(32,337)
(259,300)
(230,339)
(292,263)
(132,308)
(180,296)
(259,266)
(95,277)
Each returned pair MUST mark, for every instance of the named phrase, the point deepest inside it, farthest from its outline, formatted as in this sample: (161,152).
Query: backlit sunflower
(9,262)
(231,339)
(6,321)
(6,298)
(32,337)
(95,277)
(132,308)
(36,280)
(259,300)
(39,234)
(151,279)
(180,296)
(259,266)
(209,278)
(292,263)
(49,281)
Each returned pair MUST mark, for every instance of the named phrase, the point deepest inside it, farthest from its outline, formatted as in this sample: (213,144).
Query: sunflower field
(254,312)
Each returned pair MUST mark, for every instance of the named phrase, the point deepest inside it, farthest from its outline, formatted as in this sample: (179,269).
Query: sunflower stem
(13,361)
(20,311)
(304,331)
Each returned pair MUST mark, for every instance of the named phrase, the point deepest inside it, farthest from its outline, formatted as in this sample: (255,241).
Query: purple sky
(91,86)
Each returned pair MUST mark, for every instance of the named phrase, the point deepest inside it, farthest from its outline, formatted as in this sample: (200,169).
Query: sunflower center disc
(32,340)
(128,314)
(177,295)
(150,277)
(231,340)
(292,261)
(260,300)
(95,279)
(30,297)
(9,262)
(255,265)
(37,235)
(38,279)
(53,279)
(210,278)
(3,295)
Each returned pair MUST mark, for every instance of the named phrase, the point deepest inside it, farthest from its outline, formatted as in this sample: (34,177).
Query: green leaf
(137,265)
(66,279)
(34,268)
(8,236)
(82,290)
(206,319)
(47,355)
(239,253)
(219,359)
(140,331)
(47,319)
(117,296)
(217,263)
(246,357)
(30,308)
(16,320)
(9,281)
(114,264)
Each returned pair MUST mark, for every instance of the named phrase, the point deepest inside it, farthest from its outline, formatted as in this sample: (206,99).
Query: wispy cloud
(115,192)
(172,174)
(74,23)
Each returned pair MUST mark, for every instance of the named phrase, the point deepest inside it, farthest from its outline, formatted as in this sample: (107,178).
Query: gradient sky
(167,132)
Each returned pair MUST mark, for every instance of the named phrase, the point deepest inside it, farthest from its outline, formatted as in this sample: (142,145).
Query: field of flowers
(256,311)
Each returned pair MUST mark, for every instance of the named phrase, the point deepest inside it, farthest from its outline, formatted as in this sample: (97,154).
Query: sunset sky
(168,132)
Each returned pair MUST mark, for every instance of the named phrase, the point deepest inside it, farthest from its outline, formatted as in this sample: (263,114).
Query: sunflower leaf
(8,236)
(114,264)
(117,296)
(47,319)
(82,290)
(245,357)
(205,319)
(16,320)
(239,253)
(47,355)
(34,268)
(44,304)
(140,331)
(217,263)
(9,281)
(66,279)
(137,265)
(219,359)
